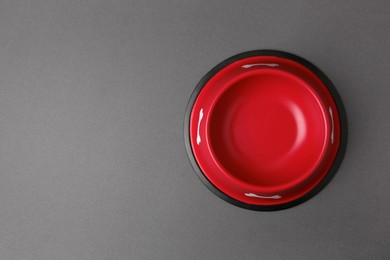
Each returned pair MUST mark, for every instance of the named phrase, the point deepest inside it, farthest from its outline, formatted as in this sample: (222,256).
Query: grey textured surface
(92,100)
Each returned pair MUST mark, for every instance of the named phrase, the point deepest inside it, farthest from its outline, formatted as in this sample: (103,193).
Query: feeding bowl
(265,130)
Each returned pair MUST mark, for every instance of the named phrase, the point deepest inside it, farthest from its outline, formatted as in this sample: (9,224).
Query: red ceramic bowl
(265,130)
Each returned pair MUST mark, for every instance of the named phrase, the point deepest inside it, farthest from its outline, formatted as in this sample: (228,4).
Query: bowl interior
(268,129)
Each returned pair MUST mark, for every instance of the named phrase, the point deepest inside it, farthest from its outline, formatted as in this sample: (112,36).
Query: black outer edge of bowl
(343,130)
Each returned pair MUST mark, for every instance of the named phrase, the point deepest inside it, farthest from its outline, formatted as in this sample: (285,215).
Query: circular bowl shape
(265,130)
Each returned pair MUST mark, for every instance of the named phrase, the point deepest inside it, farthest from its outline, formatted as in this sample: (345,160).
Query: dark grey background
(92,102)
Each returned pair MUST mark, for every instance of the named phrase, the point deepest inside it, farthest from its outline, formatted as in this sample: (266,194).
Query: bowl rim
(343,130)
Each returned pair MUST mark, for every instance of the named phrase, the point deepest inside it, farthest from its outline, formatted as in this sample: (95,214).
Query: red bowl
(265,130)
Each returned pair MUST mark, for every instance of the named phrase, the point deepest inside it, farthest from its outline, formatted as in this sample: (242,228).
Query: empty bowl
(265,130)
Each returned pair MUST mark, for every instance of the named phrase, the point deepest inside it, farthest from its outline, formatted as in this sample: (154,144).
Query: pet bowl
(265,130)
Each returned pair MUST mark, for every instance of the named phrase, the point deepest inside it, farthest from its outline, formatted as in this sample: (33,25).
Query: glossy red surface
(264,130)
